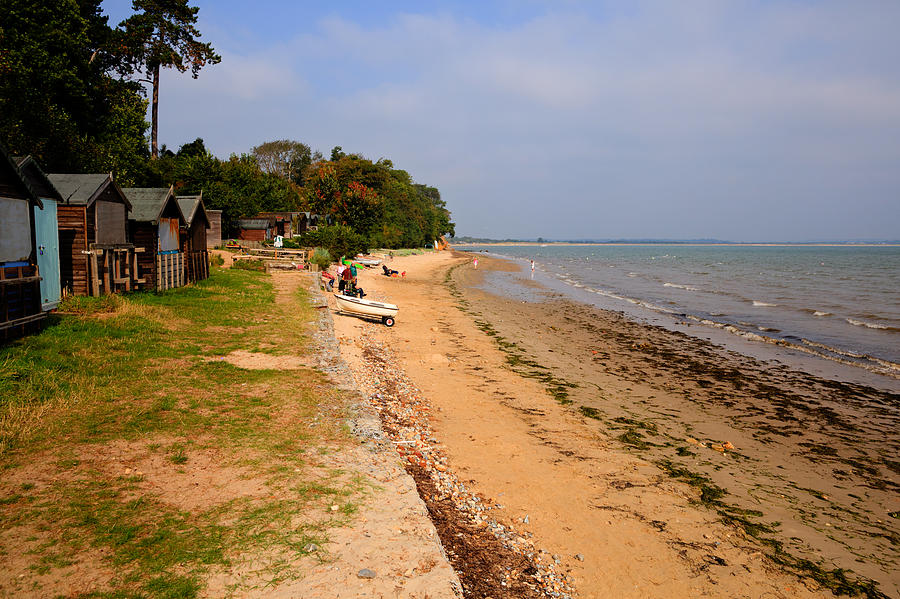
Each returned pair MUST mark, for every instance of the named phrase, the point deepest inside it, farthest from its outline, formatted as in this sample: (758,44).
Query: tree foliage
(339,240)
(286,158)
(235,186)
(58,101)
(379,202)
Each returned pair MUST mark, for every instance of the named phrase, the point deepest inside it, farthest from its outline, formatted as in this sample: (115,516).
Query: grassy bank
(136,461)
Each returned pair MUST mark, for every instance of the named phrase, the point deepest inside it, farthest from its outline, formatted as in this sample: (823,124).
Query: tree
(192,149)
(286,158)
(163,34)
(337,152)
(339,240)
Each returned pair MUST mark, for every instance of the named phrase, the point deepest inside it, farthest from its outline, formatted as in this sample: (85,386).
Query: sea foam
(677,286)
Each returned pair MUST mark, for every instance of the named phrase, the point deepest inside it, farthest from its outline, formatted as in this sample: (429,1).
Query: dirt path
(619,525)
(390,548)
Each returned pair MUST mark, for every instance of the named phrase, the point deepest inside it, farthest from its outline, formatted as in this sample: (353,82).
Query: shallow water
(839,304)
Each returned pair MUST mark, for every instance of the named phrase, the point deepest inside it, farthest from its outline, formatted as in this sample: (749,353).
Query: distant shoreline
(667,243)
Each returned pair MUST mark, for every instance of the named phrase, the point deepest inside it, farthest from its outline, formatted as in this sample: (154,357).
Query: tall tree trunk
(154,116)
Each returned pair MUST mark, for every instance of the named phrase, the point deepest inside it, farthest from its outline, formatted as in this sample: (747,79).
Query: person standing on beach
(532,266)
(346,279)
(475,262)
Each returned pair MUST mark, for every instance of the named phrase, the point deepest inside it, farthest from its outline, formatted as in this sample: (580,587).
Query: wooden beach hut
(95,256)
(155,222)
(20,293)
(283,223)
(46,231)
(193,237)
(254,229)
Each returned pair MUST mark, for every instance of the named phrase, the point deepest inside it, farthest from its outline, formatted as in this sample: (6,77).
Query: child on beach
(475,262)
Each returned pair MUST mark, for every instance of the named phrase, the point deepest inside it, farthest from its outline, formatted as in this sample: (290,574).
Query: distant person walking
(532,266)
(475,262)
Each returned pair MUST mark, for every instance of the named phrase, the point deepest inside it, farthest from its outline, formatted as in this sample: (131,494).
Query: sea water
(838,303)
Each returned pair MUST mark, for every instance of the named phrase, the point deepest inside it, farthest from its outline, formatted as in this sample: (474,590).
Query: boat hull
(364,307)
(368,261)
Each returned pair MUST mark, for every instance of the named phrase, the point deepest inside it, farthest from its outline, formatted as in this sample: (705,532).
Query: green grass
(142,369)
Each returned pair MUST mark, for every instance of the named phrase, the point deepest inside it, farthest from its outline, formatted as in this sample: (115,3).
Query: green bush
(216,260)
(339,240)
(321,257)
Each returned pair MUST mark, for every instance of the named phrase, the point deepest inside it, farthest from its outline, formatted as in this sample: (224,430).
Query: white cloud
(697,104)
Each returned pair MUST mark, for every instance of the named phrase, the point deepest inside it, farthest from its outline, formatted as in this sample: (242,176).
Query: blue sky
(730,119)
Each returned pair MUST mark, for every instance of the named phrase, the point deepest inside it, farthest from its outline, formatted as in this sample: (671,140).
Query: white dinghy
(367,308)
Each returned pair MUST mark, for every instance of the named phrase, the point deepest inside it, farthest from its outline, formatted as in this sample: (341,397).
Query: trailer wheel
(388,321)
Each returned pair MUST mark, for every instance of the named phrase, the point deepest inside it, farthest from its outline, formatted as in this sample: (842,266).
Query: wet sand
(670,467)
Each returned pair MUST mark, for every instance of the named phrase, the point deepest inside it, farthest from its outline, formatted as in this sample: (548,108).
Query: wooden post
(117,275)
(158,272)
(105,271)
(128,253)
(93,275)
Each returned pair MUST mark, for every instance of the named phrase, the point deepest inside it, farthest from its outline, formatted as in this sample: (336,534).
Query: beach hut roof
(83,189)
(192,207)
(7,163)
(31,170)
(148,203)
(253,223)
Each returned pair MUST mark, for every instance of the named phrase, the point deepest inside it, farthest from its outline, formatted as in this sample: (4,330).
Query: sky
(743,120)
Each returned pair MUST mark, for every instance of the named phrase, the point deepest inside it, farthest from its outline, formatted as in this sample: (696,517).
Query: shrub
(321,257)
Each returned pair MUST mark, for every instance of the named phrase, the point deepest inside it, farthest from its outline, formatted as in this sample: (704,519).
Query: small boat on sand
(371,262)
(367,308)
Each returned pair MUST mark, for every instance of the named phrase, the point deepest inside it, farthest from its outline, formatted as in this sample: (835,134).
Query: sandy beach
(584,454)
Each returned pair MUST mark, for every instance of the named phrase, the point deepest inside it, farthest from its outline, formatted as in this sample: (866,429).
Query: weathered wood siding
(252,234)
(214,234)
(198,237)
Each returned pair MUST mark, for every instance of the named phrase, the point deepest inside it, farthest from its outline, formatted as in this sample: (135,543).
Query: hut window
(110,222)
(15,237)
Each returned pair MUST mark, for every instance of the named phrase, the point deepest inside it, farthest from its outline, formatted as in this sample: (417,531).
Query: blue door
(47,241)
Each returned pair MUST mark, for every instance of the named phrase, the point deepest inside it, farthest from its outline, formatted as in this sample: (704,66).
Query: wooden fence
(169,271)
(20,299)
(197,264)
(112,269)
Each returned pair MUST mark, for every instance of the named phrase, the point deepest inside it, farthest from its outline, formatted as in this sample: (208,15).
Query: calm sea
(836,303)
